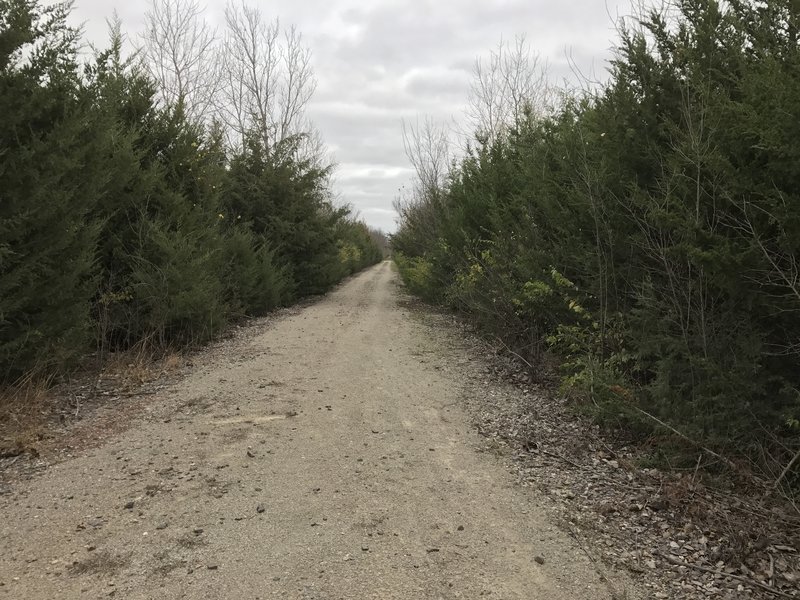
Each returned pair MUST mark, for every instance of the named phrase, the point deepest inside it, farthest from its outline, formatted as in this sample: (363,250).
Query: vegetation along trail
(325,455)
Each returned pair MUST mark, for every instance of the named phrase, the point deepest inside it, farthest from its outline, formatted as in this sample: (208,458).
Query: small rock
(460,528)
(129,505)
(260,508)
(250,454)
(197,531)
(539,559)
(212,567)
(347,557)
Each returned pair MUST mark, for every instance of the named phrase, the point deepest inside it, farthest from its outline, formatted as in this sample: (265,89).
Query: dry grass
(141,364)
(25,408)
(34,409)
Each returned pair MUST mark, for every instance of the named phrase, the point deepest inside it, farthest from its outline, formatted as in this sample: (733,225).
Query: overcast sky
(380,61)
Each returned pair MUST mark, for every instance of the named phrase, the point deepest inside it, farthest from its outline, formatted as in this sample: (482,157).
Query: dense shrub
(124,221)
(647,233)
(52,173)
(416,272)
(254,281)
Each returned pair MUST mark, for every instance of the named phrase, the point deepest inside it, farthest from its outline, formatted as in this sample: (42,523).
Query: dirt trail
(326,456)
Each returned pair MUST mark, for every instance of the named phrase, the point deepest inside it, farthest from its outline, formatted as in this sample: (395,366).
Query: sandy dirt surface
(324,455)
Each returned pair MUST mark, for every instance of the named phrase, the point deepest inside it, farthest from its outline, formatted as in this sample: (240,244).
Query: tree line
(150,199)
(645,233)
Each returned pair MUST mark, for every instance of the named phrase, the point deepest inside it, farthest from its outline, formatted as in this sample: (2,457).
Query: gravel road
(326,454)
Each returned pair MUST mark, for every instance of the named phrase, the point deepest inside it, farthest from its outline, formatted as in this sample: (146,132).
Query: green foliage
(254,282)
(51,174)
(648,234)
(160,254)
(416,273)
(287,201)
(122,220)
(357,245)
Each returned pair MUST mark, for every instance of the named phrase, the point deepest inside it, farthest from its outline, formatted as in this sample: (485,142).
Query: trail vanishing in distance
(324,456)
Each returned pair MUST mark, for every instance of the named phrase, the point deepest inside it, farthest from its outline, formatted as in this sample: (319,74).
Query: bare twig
(727,461)
(506,85)
(771,570)
(510,351)
(615,593)
(427,147)
(740,578)
(697,467)
(566,460)
(786,470)
(181,53)
(267,79)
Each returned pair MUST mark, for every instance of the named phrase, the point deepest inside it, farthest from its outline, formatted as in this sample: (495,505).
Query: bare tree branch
(180,52)
(268,78)
(427,146)
(506,85)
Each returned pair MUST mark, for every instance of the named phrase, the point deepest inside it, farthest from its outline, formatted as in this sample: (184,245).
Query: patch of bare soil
(322,454)
(43,423)
(680,534)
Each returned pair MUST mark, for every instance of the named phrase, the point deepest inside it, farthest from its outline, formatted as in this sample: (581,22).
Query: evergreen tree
(125,218)
(52,174)
(646,233)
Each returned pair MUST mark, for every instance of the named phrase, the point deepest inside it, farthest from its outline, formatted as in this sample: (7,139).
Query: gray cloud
(387,60)
(438,84)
